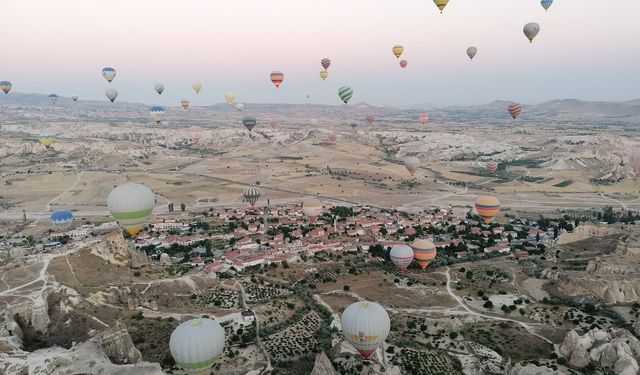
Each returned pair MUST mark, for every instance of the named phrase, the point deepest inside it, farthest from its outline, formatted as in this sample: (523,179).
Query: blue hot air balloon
(546,4)
(61,218)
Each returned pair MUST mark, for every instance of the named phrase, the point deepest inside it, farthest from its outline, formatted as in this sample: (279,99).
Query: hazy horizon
(581,52)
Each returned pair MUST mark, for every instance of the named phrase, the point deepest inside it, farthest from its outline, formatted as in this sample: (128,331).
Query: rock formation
(116,250)
(616,349)
(588,230)
(323,366)
(118,346)
(165,260)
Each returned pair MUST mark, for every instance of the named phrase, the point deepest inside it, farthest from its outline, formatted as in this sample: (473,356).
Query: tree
(488,305)
(182,207)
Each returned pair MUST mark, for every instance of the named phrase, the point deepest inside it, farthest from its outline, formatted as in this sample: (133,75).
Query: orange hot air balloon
(424,251)
(277,78)
(424,118)
(487,207)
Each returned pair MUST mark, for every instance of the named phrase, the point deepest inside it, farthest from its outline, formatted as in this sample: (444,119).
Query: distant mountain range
(553,110)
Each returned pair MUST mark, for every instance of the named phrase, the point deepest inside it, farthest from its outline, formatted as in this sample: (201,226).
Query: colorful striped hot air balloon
(515,109)
(424,118)
(324,74)
(397,50)
(546,4)
(252,194)
(326,63)
(131,205)
(403,64)
(5,86)
(441,4)
(109,73)
(249,122)
(345,93)
(46,141)
(61,218)
(487,207)
(424,251)
(312,208)
(277,78)
(491,167)
(366,326)
(197,344)
(401,256)
(371,119)
(184,103)
(531,30)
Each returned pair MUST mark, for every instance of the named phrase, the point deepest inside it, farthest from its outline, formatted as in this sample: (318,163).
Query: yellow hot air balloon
(424,252)
(441,4)
(47,141)
(229,96)
(197,86)
(397,50)
(324,74)
(487,207)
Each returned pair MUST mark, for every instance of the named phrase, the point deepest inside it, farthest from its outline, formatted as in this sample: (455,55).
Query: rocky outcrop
(116,250)
(615,349)
(630,246)
(618,290)
(86,358)
(588,230)
(131,298)
(531,369)
(550,274)
(607,267)
(118,346)
(165,260)
(36,313)
(323,366)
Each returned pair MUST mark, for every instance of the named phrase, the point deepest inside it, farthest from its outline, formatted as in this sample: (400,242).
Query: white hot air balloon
(471,52)
(312,208)
(401,255)
(197,344)
(531,30)
(131,205)
(111,94)
(239,107)
(366,326)
(412,163)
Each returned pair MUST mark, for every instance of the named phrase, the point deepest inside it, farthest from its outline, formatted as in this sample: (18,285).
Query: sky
(586,49)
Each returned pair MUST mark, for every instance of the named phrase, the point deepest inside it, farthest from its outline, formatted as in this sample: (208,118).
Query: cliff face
(118,346)
(588,230)
(323,366)
(116,250)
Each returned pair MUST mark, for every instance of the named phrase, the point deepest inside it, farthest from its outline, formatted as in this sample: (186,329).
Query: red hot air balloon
(371,119)
(515,109)
(403,64)
(277,78)
(492,167)
(326,63)
(424,118)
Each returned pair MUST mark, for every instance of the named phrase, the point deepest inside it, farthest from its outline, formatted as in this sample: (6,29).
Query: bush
(488,305)
(346,288)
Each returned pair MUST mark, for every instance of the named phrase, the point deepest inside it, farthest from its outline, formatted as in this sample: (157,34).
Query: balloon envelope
(229,96)
(312,208)
(52,98)
(397,50)
(197,87)
(471,52)
(515,109)
(366,326)
(184,104)
(531,30)
(111,94)
(159,87)
(403,63)
(412,163)
(197,344)
(324,74)
(487,207)
(424,251)
(345,93)
(401,256)
(325,63)
(441,4)
(46,141)
(546,4)
(74,98)
(109,73)
(277,78)
(252,194)
(249,122)
(5,86)
(492,167)
(239,107)
(371,119)
(157,113)
(131,205)
(424,118)
(61,218)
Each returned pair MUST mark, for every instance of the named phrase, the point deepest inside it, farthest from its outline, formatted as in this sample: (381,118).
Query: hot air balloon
(471,52)
(277,78)
(46,141)
(371,119)
(441,4)
(326,63)
(546,4)
(195,133)
(515,109)
(487,207)
(492,167)
(5,86)
(531,30)
(424,252)
(324,74)
(345,93)
(397,50)
(249,122)
(272,124)
(412,163)
(403,64)
(366,326)
(353,125)
(424,118)
(312,208)
(61,218)
(109,73)
(332,137)
(197,344)
(239,107)
(184,104)
(131,205)
(111,94)
(229,96)
(74,98)
(159,87)
(252,194)
(53,98)
(401,256)
(157,113)
(197,87)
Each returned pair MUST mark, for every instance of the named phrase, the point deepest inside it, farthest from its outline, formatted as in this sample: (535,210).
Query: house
(248,316)
(521,254)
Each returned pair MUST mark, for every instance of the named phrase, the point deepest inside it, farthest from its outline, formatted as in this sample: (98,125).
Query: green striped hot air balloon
(345,93)
(131,205)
